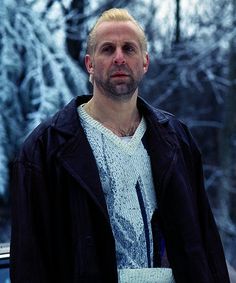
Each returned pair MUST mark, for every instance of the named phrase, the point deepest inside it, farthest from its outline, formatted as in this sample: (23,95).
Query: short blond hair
(115,15)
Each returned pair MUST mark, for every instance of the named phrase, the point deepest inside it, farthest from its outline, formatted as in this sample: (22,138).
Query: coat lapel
(76,154)
(161,144)
(162,150)
(78,159)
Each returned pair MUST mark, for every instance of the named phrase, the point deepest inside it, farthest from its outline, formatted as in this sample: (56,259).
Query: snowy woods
(192,47)
(36,79)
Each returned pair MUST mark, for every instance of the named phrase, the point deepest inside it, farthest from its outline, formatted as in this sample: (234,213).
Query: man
(111,189)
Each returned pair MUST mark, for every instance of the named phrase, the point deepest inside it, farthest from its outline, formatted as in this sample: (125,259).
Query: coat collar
(67,120)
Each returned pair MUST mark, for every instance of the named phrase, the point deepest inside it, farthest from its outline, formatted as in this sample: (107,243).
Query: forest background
(192,45)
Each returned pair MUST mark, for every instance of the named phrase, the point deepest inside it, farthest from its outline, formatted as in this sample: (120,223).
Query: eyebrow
(133,43)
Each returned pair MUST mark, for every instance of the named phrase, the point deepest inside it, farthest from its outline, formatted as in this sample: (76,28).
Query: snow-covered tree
(37,77)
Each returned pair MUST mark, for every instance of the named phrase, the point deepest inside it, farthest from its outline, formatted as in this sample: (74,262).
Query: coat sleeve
(211,238)
(27,257)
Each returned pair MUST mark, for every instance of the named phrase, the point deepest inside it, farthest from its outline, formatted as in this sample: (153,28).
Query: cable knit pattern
(125,173)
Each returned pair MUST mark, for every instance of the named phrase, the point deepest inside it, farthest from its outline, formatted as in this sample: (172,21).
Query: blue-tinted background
(192,74)
(4,271)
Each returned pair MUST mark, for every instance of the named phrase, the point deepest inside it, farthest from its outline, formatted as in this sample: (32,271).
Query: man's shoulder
(177,125)
(52,132)
(37,141)
(168,122)
(159,115)
(154,113)
(44,127)
(64,121)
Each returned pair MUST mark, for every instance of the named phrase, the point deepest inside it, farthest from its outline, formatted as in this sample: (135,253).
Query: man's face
(118,63)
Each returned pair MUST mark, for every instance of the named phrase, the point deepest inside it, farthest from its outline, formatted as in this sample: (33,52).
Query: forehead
(117,32)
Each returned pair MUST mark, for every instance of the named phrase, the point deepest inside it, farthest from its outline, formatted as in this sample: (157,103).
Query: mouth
(119,75)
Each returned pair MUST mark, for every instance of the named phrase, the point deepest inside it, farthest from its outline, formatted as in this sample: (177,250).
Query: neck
(121,117)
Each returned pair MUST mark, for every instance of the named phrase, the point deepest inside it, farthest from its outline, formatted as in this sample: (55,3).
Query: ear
(146,62)
(89,64)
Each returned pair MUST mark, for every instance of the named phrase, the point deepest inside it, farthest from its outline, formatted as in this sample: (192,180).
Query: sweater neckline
(129,144)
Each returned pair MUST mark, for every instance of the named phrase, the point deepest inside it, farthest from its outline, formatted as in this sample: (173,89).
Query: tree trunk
(227,156)
(177,20)
(73,41)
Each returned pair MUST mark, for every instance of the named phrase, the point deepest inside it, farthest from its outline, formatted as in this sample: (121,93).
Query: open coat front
(60,224)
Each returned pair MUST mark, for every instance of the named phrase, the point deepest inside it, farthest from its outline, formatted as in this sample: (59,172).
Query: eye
(128,48)
(107,49)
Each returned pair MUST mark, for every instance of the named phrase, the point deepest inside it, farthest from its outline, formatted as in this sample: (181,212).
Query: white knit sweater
(126,178)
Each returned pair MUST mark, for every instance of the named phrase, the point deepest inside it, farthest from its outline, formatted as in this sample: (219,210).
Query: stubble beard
(120,90)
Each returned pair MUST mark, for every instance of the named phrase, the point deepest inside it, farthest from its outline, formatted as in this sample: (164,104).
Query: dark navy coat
(60,224)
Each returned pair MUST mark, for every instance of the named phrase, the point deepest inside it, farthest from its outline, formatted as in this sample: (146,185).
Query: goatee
(117,88)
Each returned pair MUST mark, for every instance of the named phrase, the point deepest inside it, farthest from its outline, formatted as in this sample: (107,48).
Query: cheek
(138,68)
(99,67)
(102,70)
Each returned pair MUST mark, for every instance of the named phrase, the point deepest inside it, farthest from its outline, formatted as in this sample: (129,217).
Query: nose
(119,58)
